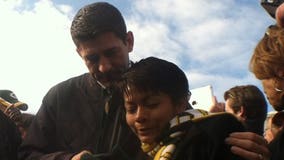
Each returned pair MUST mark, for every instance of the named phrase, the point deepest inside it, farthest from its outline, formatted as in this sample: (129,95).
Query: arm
(248,145)
(216,106)
(41,142)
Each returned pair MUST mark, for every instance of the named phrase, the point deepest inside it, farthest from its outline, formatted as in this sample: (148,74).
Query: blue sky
(212,41)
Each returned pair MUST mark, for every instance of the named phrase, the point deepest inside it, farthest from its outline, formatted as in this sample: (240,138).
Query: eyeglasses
(277,89)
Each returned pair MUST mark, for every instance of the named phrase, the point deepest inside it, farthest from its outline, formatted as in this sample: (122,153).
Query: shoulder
(219,124)
(68,86)
(81,80)
(277,146)
(221,118)
(71,89)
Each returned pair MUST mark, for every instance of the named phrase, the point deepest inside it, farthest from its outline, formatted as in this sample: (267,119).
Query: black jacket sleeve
(205,138)
(40,143)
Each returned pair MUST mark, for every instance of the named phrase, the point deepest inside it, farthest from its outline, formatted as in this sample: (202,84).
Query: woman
(156,98)
(267,64)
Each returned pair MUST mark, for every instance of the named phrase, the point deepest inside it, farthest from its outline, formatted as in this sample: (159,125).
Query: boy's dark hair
(10,138)
(95,19)
(155,75)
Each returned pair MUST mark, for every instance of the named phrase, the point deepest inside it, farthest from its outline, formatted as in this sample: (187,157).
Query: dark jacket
(276,147)
(205,138)
(10,138)
(72,118)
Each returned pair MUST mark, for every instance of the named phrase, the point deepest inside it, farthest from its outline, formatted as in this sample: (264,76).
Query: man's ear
(182,105)
(242,112)
(78,51)
(130,41)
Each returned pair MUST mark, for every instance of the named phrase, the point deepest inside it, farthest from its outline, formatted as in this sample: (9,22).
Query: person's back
(205,140)
(10,138)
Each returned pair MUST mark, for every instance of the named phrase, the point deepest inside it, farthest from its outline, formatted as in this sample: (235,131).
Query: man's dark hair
(251,98)
(253,101)
(95,19)
(10,138)
(155,75)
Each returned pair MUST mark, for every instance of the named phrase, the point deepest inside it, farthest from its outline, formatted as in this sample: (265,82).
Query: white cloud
(36,49)
(211,40)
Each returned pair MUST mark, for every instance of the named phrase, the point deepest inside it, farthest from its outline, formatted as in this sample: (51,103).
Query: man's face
(228,106)
(148,114)
(274,96)
(106,56)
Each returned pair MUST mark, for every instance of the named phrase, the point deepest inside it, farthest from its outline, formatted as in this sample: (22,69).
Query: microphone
(22,106)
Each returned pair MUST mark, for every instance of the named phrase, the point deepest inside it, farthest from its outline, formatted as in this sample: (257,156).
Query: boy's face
(106,56)
(148,114)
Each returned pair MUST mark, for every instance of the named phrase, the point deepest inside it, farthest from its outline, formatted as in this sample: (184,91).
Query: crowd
(124,110)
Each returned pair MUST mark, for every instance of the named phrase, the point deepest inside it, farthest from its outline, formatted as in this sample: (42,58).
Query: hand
(217,106)
(248,145)
(79,155)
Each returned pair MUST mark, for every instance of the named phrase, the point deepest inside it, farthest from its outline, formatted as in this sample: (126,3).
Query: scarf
(165,149)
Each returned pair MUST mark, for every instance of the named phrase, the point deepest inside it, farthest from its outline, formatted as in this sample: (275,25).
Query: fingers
(214,100)
(248,155)
(248,145)
(249,136)
(79,155)
(216,106)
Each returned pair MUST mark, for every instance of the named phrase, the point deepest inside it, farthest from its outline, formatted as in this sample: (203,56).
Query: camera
(270,6)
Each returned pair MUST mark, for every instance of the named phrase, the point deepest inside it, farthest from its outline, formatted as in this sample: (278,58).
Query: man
(248,103)
(250,145)
(83,115)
